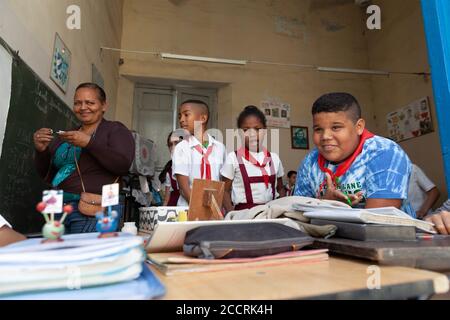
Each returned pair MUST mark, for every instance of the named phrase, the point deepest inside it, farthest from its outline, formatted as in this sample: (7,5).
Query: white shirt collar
(193,141)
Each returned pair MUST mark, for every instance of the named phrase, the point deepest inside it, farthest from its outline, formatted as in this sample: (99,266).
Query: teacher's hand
(76,138)
(42,139)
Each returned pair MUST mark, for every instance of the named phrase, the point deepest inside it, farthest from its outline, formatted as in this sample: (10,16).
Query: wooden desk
(337,278)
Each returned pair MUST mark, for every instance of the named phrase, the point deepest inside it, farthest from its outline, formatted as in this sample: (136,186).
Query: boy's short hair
(290,173)
(204,106)
(338,101)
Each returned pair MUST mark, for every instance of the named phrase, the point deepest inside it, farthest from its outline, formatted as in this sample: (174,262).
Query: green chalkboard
(33,105)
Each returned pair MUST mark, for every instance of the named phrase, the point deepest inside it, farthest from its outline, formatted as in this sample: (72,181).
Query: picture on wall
(411,121)
(60,64)
(299,137)
(278,114)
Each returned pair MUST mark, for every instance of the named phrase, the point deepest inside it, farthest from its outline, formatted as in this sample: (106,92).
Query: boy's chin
(332,157)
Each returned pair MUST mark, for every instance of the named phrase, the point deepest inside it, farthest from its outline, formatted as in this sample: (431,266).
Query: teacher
(80,161)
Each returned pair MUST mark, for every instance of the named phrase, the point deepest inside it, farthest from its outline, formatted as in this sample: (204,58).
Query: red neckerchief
(344,166)
(262,166)
(205,161)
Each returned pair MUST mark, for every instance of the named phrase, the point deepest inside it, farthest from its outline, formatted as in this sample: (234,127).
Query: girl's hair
(168,166)
(162,175)
(251,111)
(168,139)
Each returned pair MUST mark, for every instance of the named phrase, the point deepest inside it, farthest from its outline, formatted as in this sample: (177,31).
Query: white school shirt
(419,185)
(187,161)
(260,193)
(3,222)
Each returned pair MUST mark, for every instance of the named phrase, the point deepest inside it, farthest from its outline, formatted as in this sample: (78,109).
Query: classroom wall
(400,46)
(288,31)
(29,26)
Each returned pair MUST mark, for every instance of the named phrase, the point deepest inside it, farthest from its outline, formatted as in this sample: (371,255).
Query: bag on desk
(244,240)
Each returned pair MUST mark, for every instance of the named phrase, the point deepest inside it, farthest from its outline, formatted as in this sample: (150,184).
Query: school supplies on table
(169,236)
(80,262)
(430,254)
(245,240)
(53,229)
(149,217)
(206,200)
(369,232)
(177,263)
(384,216)
(146,286)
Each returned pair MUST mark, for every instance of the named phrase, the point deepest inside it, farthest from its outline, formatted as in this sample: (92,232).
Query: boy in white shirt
(252,174)
(199,157)
(422,192)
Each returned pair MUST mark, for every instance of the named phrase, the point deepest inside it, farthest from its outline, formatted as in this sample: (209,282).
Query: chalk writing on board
(41,97)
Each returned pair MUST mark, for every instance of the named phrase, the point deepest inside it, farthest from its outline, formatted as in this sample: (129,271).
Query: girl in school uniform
(252,174)
(172,192)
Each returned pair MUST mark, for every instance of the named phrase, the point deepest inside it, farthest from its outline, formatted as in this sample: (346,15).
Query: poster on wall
(299,138)
(278,114)
(411,121)
(59,72)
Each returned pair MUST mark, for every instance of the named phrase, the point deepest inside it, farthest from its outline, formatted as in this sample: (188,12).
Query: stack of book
(82,266)
(388,223)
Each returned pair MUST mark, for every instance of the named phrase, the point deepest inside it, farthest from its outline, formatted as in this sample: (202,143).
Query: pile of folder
(173,263)
(82,266)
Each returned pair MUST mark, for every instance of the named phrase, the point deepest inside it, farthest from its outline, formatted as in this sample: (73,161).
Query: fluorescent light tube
(358,71)
(202,59)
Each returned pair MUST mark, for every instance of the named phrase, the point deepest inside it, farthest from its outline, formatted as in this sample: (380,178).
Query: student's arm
(304,178)
(432,196)
(183,184)
(8,236)
(227,203)
(387,176)
(280,188)
(378,203)
(227,175)
(432,192)
(166,195)
(280,174)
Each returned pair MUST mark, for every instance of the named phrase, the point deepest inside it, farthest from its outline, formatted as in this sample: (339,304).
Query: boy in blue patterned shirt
(351,164)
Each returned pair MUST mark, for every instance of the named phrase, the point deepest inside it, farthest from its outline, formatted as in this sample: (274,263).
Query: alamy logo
(374,279)
(74,20)
(374,20)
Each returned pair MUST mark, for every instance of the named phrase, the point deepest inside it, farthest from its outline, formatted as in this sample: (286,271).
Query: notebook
(176,263)
(146,287)
(169,236)
(385,216)
(80,261)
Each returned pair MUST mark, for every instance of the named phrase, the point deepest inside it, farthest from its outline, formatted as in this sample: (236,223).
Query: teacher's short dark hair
(90,85)
(338,101)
